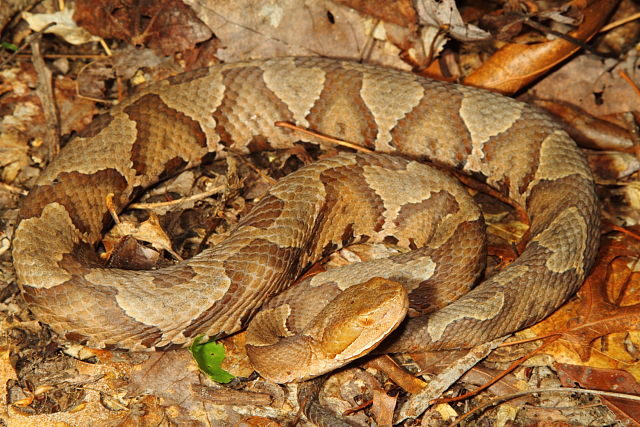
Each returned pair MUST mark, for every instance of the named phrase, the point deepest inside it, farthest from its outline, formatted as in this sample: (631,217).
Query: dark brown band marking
(163,134)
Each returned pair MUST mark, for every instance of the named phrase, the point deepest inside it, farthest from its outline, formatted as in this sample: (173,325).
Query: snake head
(349,327)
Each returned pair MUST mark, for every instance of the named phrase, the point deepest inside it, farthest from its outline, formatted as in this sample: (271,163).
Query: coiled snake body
(173,124)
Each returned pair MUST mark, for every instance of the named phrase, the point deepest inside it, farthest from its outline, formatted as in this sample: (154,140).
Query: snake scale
(176,123)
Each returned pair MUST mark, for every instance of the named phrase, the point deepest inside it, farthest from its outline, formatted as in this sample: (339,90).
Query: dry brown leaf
(383,406)
(606,308)
(589,131)
(247,30)
(74,112)
(169,376)
(599,313)
(399,12)
(610,167)
(515,65)
(627,411)
(129,254)
(397,374)
(260,422)
(236,361)
(166,26)
(594,84)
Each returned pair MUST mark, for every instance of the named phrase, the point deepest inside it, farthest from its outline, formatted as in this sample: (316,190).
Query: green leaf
(9,46)
(209,357)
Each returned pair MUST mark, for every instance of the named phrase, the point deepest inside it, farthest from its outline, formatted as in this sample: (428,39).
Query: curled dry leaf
(611,166)
(589,131)
(441,20)
(63,26)
(149,231)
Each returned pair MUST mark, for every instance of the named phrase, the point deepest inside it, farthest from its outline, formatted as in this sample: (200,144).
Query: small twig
(105,47)
(227,396)
(323,137)
(631,83)
(194,197)
(624,289)
(546,30)
(111,207)
(420,402)
(28,41)
(619,22)
(528,340)
(66,55)
(501,399)
(625,231)
(256,169)
(45,93)
(12,189)
(80,95)
(495,379)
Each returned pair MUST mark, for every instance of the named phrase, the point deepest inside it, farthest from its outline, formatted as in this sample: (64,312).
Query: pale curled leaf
(149,231)
(65,27)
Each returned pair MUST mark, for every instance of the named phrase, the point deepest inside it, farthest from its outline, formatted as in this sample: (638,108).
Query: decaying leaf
(609,167)
(166,26)
(627,410)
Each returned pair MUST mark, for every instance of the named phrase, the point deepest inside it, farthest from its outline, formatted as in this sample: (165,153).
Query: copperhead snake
(172,125)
